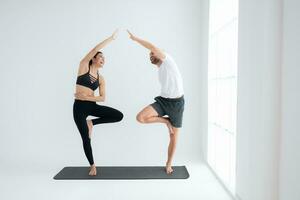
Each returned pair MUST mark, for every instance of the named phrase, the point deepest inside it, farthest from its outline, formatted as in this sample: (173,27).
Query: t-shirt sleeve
(167,58)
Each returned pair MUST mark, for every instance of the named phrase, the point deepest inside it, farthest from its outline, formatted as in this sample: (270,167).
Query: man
(171,100)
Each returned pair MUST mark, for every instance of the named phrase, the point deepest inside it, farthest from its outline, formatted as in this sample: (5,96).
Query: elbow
(83,62)
(154,49)
(101,98)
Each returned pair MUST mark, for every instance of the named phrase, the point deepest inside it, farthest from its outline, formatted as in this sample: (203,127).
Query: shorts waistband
(173,99)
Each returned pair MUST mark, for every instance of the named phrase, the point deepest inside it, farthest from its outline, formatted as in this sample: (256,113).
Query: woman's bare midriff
(84,90)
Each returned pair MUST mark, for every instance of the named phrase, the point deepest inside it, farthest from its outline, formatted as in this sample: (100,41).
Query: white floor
(202,185)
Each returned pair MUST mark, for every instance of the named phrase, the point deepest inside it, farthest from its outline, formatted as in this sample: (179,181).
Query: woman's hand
(114,35)
(81,96)
(85,97)
(85,61)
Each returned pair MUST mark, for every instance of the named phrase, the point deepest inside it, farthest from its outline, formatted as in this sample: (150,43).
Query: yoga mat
(119,173)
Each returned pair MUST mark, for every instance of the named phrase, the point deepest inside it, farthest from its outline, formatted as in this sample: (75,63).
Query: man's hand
(156,51)
(131,36)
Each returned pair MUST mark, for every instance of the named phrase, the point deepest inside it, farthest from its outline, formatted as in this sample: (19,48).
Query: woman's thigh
(102,111)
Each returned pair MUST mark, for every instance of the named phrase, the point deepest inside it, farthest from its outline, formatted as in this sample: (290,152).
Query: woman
(88,80)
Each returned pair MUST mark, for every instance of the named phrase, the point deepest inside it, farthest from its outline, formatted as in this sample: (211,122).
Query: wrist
(88,98)
(135,38)
(112,37)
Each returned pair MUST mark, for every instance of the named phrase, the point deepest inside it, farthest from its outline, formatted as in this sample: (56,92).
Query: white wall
(204,84)
(290,137)
(41,45)
(258,115)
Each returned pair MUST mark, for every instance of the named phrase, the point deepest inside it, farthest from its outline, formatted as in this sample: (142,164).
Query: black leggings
(82,109)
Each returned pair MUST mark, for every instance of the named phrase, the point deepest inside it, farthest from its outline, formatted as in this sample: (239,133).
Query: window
(222,89)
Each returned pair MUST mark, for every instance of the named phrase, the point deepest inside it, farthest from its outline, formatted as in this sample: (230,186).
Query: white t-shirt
(170,78)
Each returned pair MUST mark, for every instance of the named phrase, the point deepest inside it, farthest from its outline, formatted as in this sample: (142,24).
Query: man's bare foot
(93,170)
(90,125)
(170,127)
(169,169)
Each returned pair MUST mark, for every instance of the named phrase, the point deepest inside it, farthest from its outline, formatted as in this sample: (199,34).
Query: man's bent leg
(150,115)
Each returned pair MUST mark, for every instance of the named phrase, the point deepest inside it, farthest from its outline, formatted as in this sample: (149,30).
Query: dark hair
(91,61)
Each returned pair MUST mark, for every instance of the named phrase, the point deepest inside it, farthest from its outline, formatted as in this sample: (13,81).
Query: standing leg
(171,150)
(80,120)
(90,126)
(150,115)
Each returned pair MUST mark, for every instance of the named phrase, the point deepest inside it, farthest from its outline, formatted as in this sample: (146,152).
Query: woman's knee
(85,137)
(116,116)
(120,116)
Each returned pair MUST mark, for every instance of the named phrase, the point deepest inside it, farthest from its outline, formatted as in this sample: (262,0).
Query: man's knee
(174,135)
(140,118)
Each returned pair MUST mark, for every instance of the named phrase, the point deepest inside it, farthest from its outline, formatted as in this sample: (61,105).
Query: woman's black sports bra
(88,80)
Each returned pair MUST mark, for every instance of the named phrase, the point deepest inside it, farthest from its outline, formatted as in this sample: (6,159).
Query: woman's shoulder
(82,69)
(101,77)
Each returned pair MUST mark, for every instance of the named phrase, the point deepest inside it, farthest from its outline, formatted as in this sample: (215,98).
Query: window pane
(222,87)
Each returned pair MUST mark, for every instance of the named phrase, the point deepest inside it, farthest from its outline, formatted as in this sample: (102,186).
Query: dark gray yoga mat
(145,172)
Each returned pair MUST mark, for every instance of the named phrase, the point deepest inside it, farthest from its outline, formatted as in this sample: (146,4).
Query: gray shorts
(172,107)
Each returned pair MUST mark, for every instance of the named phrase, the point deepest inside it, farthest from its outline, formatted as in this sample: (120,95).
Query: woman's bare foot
(169,169)
(90,125)
(93,170)
(170,127)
